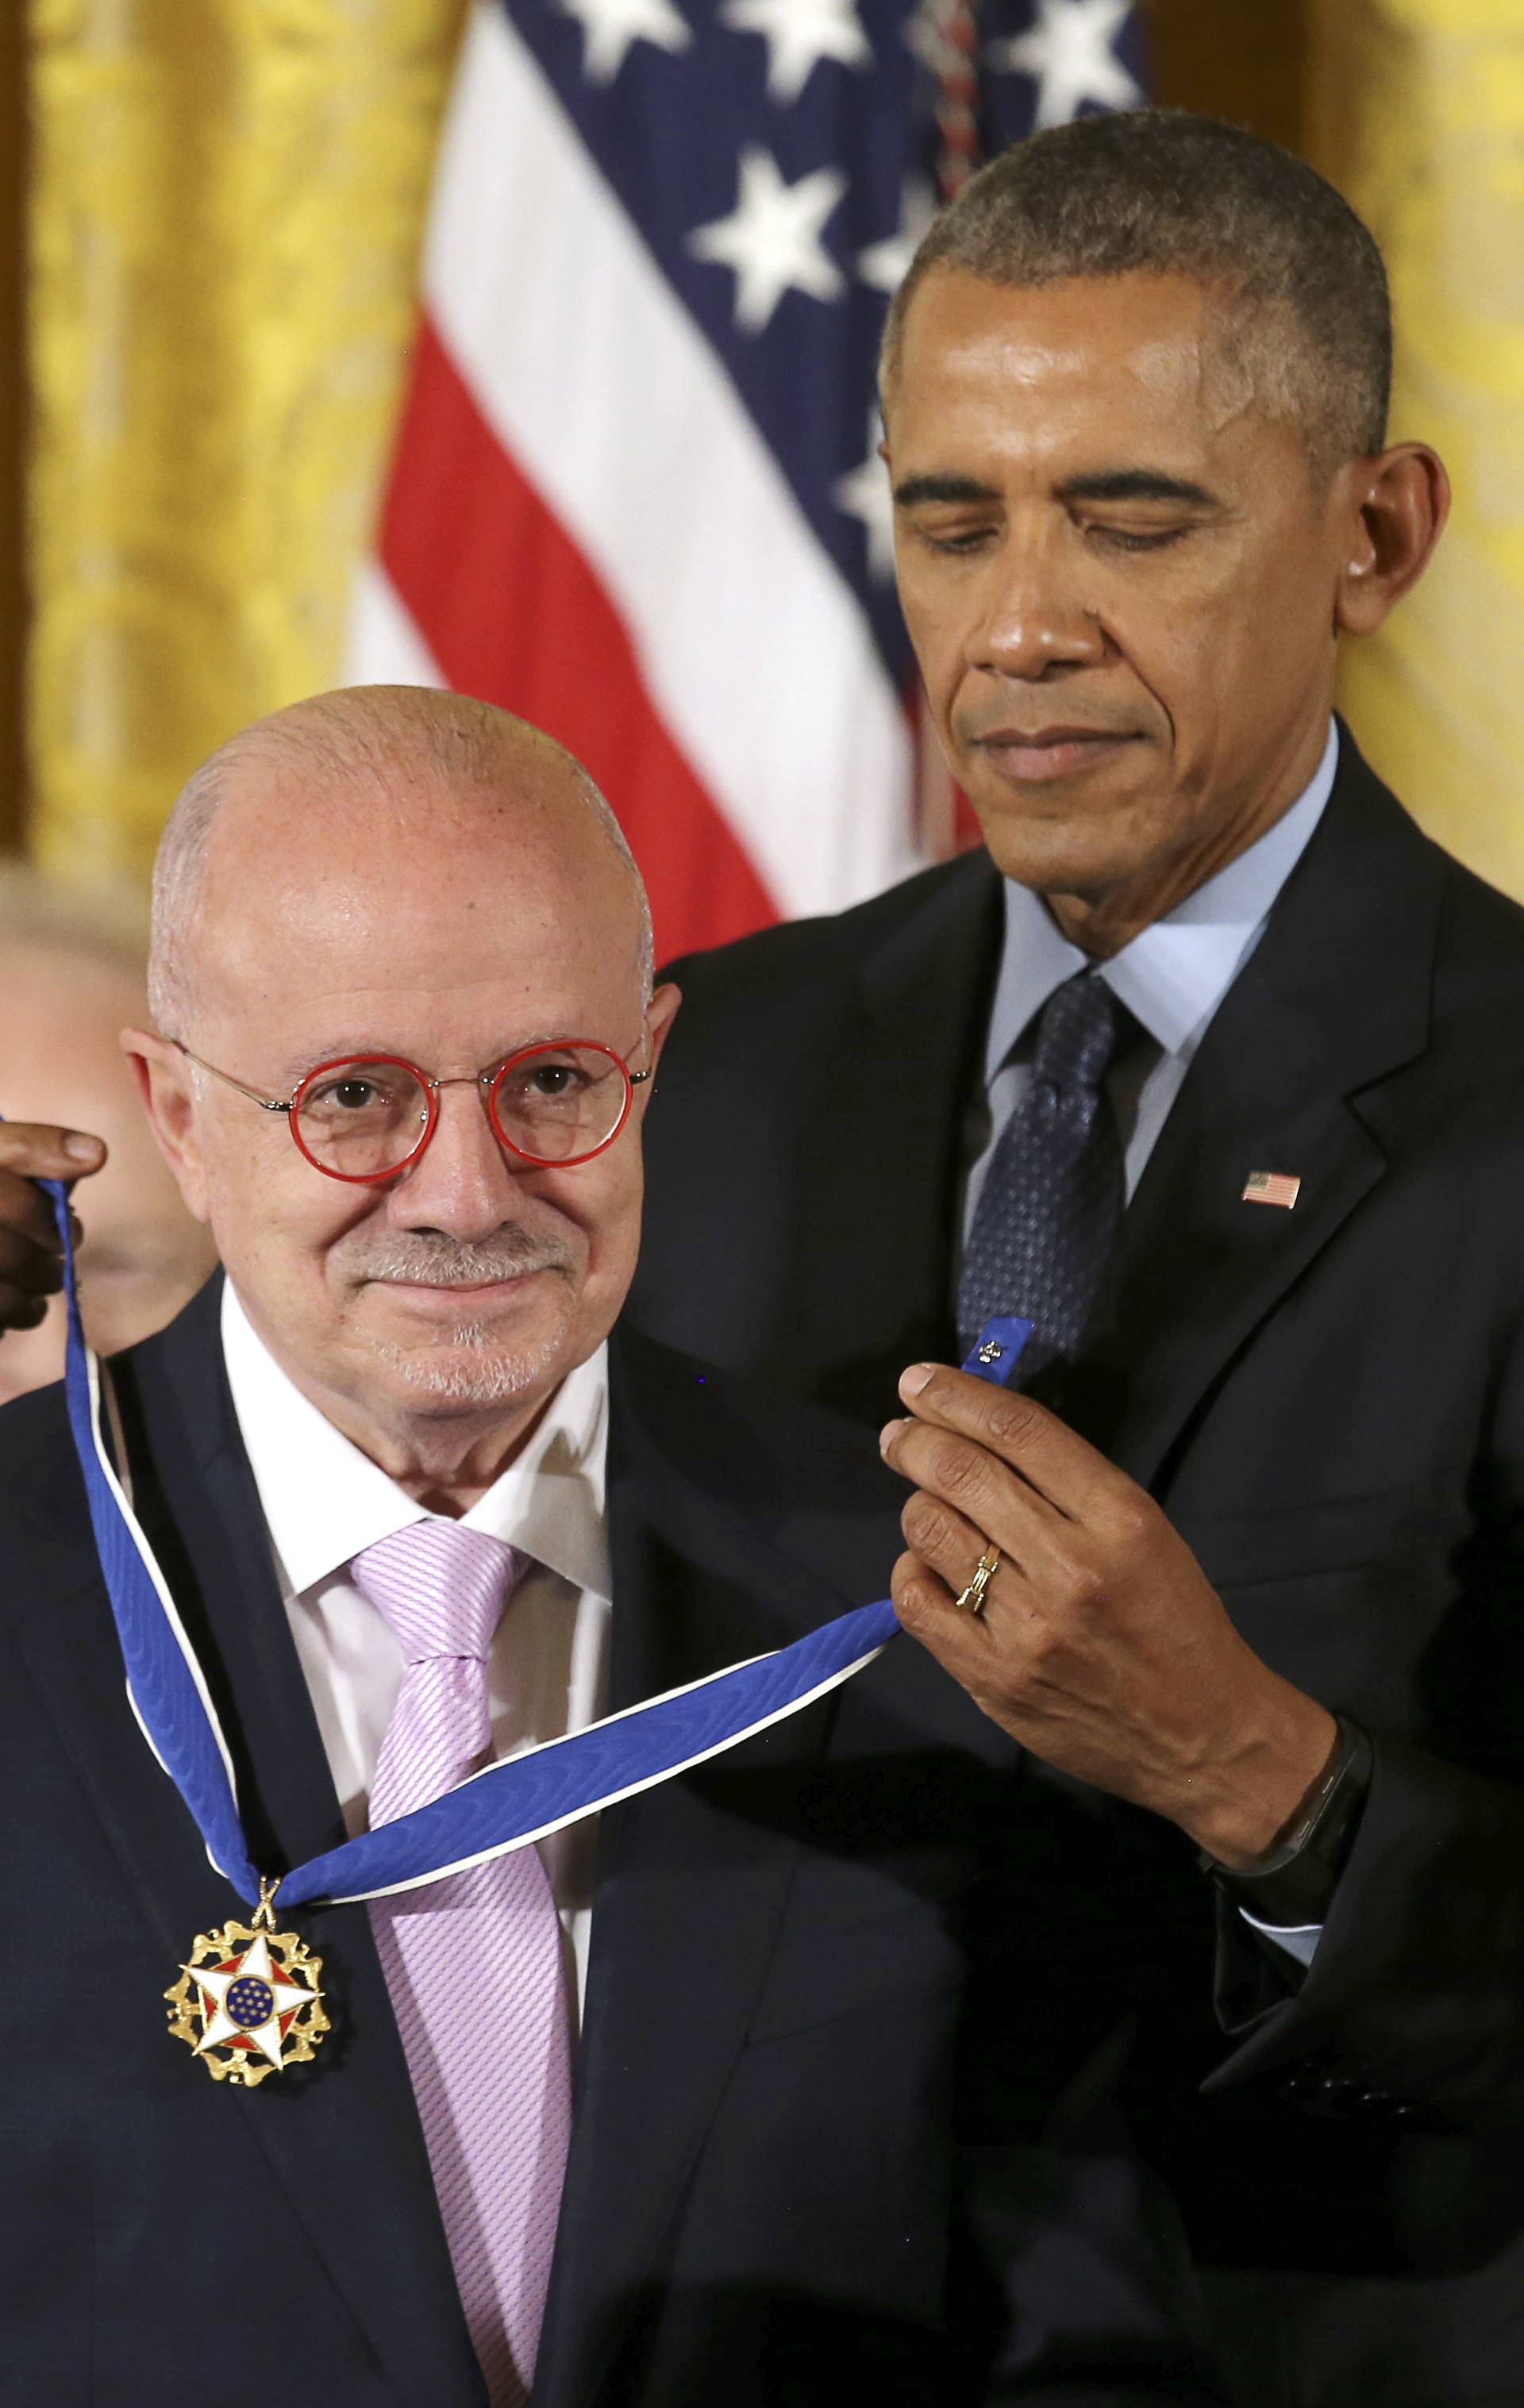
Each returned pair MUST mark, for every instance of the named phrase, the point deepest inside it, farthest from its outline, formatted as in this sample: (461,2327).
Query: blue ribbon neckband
(508,1805)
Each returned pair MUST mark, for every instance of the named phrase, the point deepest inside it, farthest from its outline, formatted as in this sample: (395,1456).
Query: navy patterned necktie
(1052,1200)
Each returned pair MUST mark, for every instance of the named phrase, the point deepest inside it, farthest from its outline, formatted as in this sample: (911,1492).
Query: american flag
(636,495)
(1272,1188)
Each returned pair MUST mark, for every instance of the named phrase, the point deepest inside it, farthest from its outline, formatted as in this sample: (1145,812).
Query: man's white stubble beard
(467,1367)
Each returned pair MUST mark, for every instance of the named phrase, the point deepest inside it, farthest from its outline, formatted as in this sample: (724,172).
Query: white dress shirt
(1173,976)
(324,1501)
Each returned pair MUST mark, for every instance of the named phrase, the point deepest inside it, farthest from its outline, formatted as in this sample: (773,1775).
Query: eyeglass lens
(360,1120)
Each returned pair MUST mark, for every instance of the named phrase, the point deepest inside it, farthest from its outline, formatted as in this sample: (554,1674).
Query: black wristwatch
(1294,1885)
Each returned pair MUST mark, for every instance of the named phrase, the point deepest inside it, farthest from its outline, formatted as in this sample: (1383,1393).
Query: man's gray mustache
(445,1262)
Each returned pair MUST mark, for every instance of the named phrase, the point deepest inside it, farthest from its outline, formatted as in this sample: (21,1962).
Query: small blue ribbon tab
(997,1350)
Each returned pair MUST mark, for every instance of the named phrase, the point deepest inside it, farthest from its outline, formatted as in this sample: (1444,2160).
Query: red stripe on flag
(514,613)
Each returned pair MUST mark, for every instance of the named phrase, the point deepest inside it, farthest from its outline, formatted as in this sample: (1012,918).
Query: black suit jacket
(1329,1401)
(799,2171)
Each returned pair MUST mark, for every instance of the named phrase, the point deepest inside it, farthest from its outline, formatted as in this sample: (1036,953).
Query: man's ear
(1397,505)
(166,1083)
(660,1012)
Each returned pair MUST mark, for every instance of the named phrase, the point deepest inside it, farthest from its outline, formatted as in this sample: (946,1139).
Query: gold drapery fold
(1418,116)
(228,196)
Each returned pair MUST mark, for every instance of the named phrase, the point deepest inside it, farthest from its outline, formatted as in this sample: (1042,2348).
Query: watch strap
(1293,1886)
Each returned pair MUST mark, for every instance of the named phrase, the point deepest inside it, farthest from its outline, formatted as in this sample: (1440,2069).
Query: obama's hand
(1102,1645)
(31,1265)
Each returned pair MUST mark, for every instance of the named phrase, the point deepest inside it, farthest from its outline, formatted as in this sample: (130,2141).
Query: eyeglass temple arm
(265,1103)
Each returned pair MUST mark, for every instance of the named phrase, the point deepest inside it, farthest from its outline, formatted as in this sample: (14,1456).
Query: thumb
(32,1150)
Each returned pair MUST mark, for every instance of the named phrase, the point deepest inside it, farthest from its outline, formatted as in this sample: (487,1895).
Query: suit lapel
(1200,1269)
(342,2137)
(873,1204)
(1333,999)
(693,1879)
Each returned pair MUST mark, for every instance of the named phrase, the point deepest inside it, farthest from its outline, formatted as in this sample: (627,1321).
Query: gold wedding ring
(971,1599)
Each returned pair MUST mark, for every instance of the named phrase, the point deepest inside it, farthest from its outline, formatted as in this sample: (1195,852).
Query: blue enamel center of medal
(249,2001)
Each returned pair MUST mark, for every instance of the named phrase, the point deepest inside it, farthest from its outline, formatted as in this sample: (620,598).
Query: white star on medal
(1069,53)
(254,1965)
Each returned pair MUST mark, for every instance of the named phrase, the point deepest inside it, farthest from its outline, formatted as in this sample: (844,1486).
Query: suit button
(1320,2094)
(1381,2105)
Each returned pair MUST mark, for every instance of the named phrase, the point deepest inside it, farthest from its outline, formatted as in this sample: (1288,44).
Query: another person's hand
(1101,1646)
(31,1265)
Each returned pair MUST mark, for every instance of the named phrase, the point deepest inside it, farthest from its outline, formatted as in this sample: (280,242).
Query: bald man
(71,971)
(420,1505)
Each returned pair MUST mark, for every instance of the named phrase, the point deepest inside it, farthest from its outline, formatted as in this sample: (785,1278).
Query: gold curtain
(1418,110)
(227,199)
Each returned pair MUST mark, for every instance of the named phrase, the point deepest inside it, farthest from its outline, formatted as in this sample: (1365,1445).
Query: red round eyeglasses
(364,1117)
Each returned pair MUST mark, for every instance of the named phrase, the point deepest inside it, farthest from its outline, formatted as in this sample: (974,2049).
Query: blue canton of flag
(636,495)
(780,157)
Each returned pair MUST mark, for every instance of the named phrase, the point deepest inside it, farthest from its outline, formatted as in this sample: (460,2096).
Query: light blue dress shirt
(1171,977)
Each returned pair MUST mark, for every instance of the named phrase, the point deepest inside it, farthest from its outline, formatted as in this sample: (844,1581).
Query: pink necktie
(473,1963)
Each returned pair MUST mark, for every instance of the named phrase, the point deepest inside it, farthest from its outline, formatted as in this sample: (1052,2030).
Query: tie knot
(1076,1033)
(442,1586)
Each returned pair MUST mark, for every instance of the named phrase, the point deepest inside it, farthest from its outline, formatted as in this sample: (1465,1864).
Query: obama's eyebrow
(1135,485)
(1100,485)
(933,487)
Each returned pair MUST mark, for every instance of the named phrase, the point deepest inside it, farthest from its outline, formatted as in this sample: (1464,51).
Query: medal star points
(256,1996)
(238,1993)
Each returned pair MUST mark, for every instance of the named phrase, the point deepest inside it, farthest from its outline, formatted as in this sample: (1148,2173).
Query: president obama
(1215,1066)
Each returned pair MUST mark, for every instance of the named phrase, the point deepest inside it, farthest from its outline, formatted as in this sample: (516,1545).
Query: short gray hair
(356,731)
(1164,192)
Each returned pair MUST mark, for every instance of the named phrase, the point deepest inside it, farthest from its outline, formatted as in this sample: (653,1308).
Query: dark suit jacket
(1330,1403)
(799,2171)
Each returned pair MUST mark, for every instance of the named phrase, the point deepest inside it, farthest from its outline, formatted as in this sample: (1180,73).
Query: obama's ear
(1398,504)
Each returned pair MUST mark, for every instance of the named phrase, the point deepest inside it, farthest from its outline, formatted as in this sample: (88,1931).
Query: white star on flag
(255,1968)
(883,265)
(799,34)
(611,26)
(1071,53)
(864,493)
(771,238)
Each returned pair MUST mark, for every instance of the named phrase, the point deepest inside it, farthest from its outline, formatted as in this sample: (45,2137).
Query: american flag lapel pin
(1272,1188)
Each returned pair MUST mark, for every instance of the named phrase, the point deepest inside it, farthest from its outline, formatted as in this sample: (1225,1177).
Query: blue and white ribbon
(508,1805)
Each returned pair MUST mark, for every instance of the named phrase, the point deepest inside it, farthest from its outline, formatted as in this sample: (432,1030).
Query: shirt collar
(1174,974)
(323,1500)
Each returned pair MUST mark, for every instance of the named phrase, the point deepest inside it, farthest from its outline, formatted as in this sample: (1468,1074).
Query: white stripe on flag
(385,644)
(601,386)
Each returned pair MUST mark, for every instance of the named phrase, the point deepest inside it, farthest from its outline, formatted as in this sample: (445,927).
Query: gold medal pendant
(249,2000)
